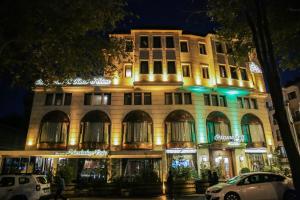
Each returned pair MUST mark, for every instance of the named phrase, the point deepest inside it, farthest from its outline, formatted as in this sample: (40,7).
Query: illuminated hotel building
(178,100)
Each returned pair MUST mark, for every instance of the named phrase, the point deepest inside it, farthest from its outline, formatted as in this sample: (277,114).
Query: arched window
(54,130)
(137,130)
(180,128)
(217,124)
(94,130)
(252,129)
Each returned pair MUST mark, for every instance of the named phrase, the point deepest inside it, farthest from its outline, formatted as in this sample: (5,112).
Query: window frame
(216,47)
(141,71)
(161,66)
(125,70)
(206,69)
(129,94)
(234,73)
(188,75)
(187,46)
(173,42)
(168,71)
(225,75)
(140,40)
(203,45)
(160,41)
(171,95)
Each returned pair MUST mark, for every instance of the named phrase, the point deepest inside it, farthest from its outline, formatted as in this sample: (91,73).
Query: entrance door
(222,162)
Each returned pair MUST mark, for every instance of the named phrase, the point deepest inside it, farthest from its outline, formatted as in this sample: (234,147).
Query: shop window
(137,127)
(185,70)
(219,47)
(54,127)
(178,98)
(147,98)
(187,98)
(168,99)
(169,42)
(202,49)
(127,98)
(156,42)
(252,129)
(129,46)
(144,68)
(144,43)
(184,46)
(93,170)
(217,124)
(157,67)
(180,127)
(137,98)
(128,71)
(223,73)
(244,74)
(171,67)
(205,72)
(233,72)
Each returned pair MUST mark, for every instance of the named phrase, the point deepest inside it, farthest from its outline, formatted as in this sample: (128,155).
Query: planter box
(184,188)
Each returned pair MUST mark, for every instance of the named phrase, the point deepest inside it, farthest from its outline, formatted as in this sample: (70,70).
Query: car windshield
(41,179)
(235,179)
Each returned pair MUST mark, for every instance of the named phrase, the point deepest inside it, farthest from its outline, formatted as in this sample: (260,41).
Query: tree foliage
(57,39)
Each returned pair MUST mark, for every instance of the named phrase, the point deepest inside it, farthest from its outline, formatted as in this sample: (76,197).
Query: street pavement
(189,197)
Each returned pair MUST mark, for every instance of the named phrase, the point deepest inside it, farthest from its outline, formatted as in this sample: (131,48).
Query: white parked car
(23,187)
(253,186)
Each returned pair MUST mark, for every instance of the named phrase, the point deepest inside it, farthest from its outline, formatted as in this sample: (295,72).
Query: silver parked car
(253,186)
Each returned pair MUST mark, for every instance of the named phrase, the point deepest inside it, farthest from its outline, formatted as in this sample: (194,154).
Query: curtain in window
(221,128)
(96,132)
(246,133)
(210,131)
(54,132)
(257,134)
(137,132)
(181,131)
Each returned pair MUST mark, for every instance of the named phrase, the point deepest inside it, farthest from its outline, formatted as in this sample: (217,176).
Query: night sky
(172,14)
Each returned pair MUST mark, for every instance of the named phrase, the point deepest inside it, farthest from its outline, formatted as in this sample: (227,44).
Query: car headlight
(217,190)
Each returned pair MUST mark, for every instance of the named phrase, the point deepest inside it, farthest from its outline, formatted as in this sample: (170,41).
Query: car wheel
(290,195)
(232,196)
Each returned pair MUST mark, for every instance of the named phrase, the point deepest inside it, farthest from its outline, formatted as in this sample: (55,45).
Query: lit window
(97,99)
(185,70)
(202,49)
(184,46)
(156,42)
(223,72)
(128,71)
(205,72)
(144,67)
(169,42)
(171,67)
(157,67)
(107,99)
(144,42)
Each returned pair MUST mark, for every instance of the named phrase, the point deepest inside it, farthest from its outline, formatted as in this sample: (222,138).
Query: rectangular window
(127,99)
(184,46)
(147,98)
(233,72)
(223,101)
(128,46)
(88,99)
(185,70)
(107,99)
(207,99)
(178,98)
(97,99)
(240,102)
(219,47)
(169,42)
(247,103)
(144,67)
(223,72)
(244,74)
(292,95)
(49,99)
(157,67)
(171,67)
(214,100)
(156,42)
(187,98)
(205,72)
(68,99)
(168,99)
(229,48)
(144,43)
(58,99)
(202,49)
(253,103)
(137,98)
(128,71)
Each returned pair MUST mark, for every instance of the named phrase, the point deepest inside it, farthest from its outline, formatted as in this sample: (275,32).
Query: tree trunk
(263,43)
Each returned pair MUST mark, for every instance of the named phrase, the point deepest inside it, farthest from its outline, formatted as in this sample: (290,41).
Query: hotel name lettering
(71,152)
(229,138)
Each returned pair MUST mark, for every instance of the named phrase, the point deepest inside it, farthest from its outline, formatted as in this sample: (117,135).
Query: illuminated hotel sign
(254,68)
(96,81)
(71,152)
(229,138)
(180,150)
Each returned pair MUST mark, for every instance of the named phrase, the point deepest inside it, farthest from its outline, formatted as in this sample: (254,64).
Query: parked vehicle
(253,186)
(23,187)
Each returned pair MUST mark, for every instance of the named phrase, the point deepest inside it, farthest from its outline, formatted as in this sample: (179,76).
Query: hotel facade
(179,100)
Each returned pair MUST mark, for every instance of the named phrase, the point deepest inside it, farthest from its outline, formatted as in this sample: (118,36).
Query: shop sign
(180,150)
(97,81)
(229,138)
(83,153)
